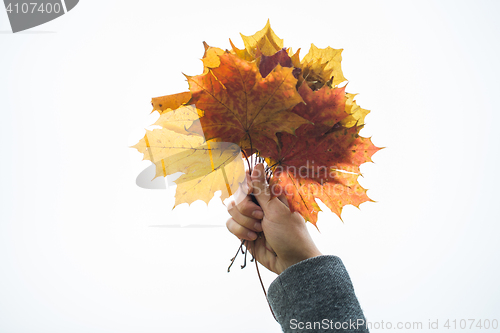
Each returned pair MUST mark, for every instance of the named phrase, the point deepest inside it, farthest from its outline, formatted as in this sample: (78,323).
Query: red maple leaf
(323,108)
(324,167)
(268,63)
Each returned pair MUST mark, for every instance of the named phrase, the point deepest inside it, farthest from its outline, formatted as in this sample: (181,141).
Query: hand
(277,237)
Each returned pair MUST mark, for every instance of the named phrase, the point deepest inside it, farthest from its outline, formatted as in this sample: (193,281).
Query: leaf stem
(232,260)
(251,149)
(244,260)
(248,163)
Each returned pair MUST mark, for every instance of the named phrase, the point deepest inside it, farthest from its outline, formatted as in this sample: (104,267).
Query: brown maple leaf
(268,63)
(242,107)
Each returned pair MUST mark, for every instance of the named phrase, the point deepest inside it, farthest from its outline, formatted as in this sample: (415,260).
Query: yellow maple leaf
(211,57)
(161,144)
(356,113)
(241,53)
(207,166)
(224,172)
(264,40)
(295,57)
(180,120)
(323,65)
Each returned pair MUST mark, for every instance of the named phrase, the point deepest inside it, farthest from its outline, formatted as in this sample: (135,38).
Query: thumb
(260,187)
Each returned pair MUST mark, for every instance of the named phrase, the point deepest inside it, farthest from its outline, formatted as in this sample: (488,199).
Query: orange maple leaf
(242,107)
(170,102)
(342,189)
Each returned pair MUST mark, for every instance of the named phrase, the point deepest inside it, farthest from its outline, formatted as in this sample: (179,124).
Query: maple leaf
(207,166)
(170,102)
(306,167)
(323,108)
(295,59)
(241,106)
(211,57)
(356,114)
(322,66)
(265,40)
(241,53)
(268,63)
(342,149)
(342,189)
(224,173)
(159,145)
(180,120)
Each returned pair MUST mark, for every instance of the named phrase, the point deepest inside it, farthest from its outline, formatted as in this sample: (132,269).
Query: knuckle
(239,231)
(245,222)
(245,207)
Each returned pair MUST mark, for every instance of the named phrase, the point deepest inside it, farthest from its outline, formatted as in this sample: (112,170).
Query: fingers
(243,213)
(260,187)
(240,231)
(249,208)
(264,253)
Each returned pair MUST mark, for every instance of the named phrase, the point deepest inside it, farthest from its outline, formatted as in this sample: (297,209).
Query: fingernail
(257,226)
(258,214)
(252,235)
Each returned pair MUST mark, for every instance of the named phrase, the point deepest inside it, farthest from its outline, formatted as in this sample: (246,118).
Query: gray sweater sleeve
(316,295)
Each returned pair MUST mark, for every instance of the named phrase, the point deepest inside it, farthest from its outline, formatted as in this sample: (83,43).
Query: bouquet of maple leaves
(263,104)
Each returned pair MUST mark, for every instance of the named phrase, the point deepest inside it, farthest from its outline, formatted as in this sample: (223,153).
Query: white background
(83,249)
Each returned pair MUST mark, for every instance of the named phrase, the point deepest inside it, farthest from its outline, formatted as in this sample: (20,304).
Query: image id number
(32,7)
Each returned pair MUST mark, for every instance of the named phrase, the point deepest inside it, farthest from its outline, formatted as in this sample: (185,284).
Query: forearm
(316,291)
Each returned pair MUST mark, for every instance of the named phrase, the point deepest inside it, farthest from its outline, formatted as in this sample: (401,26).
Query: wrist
(299,257)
